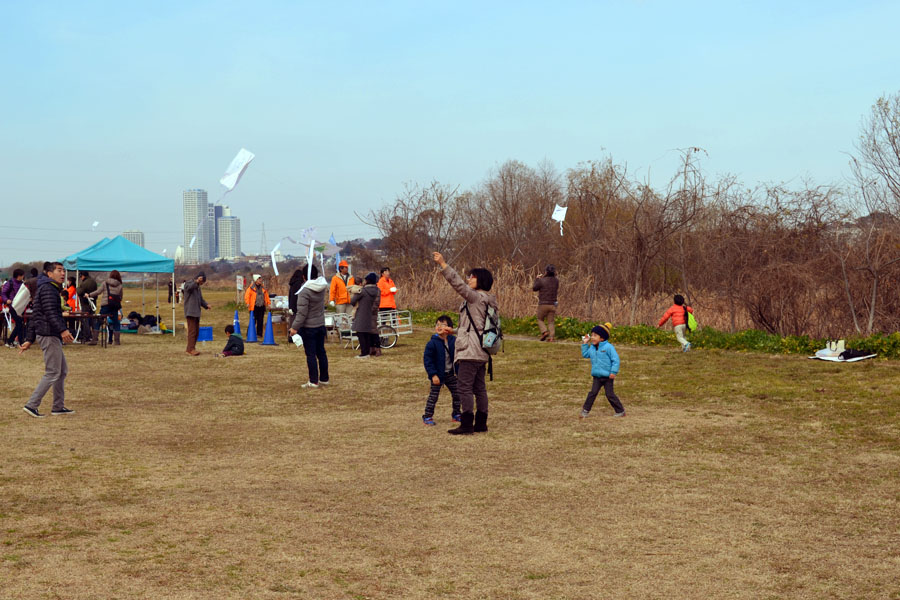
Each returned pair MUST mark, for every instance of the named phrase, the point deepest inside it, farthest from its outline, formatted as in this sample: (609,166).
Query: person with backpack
(110,294)
(471,356)
(678,312)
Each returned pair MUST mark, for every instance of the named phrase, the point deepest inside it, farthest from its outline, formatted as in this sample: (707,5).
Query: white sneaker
(358,356)
(310,384)
(585,414)
(324,382)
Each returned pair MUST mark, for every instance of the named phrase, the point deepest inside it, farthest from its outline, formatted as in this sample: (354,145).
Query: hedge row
(751,340)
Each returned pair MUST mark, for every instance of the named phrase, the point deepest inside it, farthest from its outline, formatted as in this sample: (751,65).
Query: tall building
(229,233)
(217,211)
(133,235)
(197,223)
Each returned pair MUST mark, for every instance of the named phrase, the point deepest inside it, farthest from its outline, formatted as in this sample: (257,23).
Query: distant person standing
(388,291)
(171,288)
(193,301)
(48,328)
(86,287)
(111,296)
(309,322)
(257,300)
(547,287)
(338,294)
(365,322)
(8,293)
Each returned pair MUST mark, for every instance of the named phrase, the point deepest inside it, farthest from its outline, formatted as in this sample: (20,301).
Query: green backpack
(691,321)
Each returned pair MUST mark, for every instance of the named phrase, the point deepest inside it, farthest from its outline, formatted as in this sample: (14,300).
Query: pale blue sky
(111,109)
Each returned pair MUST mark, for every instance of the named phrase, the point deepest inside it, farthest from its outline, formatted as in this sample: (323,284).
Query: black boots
(480,422)
(465,425)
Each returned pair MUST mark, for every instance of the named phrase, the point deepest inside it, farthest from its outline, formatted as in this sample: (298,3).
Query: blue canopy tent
(122,255)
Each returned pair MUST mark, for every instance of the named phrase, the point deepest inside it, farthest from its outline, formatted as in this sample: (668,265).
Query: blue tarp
(121,255)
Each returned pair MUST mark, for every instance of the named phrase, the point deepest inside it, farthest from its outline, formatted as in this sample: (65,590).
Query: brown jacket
(468,346)
(547,289)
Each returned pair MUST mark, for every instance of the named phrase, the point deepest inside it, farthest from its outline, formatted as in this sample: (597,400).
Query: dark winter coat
(296,283)
(235,345)
(435,357)
(46,318)
(366,302)
(9,290)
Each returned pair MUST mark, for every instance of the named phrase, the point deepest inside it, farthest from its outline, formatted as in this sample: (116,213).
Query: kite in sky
(559,214)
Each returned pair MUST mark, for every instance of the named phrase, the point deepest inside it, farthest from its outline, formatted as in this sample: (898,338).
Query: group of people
(453,358)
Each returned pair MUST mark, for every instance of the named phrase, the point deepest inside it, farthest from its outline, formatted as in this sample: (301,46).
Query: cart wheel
(388,336)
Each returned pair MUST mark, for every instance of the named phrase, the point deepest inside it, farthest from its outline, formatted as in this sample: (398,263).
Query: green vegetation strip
(751,340)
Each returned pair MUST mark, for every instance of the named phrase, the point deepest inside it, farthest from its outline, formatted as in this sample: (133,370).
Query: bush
(750,340)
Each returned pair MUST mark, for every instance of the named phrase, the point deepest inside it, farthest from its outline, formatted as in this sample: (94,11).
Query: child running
(604,366)
(235,344)
(438,359)
(678,313)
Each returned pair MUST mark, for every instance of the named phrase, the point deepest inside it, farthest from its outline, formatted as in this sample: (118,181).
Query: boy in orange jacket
(678,313)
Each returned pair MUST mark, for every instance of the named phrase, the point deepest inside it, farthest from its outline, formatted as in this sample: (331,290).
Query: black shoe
(62,411)
(465,425)
(480,422)
(33,412)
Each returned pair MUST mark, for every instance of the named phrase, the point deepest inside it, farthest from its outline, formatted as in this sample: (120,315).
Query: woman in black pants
(471,359)
(365,323)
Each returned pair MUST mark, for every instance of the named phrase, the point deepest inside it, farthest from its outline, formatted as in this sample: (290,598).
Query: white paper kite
(310,256)
(559,214)
(274,263)
(236,169)
(94,225)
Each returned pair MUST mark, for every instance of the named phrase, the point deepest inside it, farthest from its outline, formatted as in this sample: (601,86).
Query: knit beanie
(602,330)
(371,278)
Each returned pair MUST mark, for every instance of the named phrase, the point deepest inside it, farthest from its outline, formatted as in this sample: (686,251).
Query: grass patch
(744,475)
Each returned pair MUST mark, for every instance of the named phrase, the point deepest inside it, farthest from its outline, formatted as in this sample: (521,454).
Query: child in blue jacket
(438,359)
(604,366)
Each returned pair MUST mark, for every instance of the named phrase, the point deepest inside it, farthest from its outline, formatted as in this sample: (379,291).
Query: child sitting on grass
(604,366)
(438,359)
(235,344)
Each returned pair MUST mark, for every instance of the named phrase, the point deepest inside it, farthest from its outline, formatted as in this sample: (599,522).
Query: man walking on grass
(48,327)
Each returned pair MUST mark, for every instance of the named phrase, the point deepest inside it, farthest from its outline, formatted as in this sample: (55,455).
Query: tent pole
(142,293)
(173,302)
(156,280)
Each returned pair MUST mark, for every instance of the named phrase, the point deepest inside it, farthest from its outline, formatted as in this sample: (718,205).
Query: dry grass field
(733,476)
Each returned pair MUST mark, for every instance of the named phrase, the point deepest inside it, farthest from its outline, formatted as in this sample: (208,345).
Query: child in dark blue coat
(604,366)
(235,344)
(438,359)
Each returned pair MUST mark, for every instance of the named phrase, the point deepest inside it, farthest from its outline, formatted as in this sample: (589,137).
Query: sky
(109,110)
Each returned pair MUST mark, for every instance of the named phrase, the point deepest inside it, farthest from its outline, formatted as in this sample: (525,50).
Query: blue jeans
(316,359)
(113,314)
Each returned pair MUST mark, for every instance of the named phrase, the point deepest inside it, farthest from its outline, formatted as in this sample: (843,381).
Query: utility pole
(263,246)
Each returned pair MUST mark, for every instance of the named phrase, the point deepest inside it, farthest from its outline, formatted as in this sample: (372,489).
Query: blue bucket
(205,334)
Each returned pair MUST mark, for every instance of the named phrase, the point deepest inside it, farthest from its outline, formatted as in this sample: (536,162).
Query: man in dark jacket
(86,286)
(48,327)
(193,300)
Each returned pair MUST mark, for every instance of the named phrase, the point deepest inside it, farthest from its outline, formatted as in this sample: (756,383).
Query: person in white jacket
(309,322)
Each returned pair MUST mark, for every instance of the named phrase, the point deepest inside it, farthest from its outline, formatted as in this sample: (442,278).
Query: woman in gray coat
(365,323)
(471,358)
(110,294)
(309,322)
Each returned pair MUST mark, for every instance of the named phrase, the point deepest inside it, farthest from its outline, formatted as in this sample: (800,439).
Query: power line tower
(263,246)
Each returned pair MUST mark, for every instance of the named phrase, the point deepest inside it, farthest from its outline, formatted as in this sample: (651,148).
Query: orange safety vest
(250,297)
(387,296)
(338,292)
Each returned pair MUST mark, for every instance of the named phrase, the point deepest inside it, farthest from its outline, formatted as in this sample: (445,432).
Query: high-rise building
(229,230)
(133,235)
(197,227)
(217,211)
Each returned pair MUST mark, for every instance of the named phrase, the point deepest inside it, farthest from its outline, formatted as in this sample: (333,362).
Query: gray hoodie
(311,304)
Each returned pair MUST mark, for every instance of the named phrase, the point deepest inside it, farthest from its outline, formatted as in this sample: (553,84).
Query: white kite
(274,263)
(559,214)
(310,256)
(94,225)
(236,169)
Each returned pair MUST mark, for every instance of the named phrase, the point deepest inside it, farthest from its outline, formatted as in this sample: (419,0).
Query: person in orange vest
(388,290)
(257,300)
(338,294)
